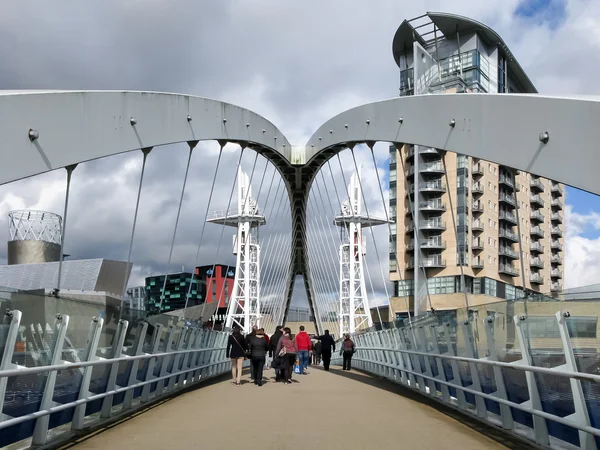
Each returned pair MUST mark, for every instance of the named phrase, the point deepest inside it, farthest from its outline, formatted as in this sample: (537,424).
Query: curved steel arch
(502,128)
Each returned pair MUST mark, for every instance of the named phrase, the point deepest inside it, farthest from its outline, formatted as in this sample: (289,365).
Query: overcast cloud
(296,63)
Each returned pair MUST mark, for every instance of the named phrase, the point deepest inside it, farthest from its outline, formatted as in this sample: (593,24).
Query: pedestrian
(347,352)
(248,339)
(258,352)
(317,348)
(236,350)
(327,348)
(286,349)
(277,360)
(304,346)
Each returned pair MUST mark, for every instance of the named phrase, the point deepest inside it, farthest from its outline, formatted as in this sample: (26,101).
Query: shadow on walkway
(489,430)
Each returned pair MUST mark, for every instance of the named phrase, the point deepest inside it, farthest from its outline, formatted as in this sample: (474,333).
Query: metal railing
(75,384)
(487,364)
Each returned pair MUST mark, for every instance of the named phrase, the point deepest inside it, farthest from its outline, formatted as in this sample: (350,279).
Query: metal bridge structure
(115,363)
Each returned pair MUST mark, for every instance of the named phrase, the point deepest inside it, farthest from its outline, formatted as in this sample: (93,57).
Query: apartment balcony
(557,217)
(410,190)
(477,244)
(434,244)
(410,246)
(508,269)
(556,231)
(536,199)
(508,234)
(410,153)
(432,225)
(507,198)
(477,263)
(477,169)
(507,180)
(556,204)
(536,247)
(537,216)
(433,186)
(409,228)
(537,185)
(508,252)
(477,188)
(555,287)
(477,225)
(433,167)
(433,262)
(428,151)
(536,231)
(556,259)
(557,190)
(408,211)
(555,245)
(477,206)
(432,206)
(508,216)
(556,273)
(536,278)
(410,171)
(536,262)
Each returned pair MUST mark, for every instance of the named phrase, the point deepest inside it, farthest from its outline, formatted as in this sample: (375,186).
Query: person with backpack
(236,350)
(348,350)
(286,349)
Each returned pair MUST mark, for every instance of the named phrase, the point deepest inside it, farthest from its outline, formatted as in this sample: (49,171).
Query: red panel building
(219,284)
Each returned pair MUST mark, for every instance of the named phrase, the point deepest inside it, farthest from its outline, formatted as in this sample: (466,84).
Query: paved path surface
(335,410)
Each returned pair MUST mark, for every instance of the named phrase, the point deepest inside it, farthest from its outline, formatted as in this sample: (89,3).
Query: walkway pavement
(335,410)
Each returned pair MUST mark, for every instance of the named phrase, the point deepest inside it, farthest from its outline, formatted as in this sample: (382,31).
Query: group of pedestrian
(285,349)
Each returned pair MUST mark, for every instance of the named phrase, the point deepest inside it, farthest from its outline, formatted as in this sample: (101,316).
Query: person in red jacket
(304,346)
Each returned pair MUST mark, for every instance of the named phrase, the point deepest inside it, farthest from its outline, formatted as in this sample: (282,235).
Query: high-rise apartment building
(456,216)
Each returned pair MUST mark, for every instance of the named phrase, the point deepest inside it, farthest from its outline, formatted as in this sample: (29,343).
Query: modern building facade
(135,298)
(217,286)
(176,290)
(457,216)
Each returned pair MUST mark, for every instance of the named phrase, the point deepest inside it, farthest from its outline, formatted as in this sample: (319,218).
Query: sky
(295,63)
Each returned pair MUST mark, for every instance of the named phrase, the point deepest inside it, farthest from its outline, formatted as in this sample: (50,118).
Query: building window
(489,168)
(491,287)
(393,265)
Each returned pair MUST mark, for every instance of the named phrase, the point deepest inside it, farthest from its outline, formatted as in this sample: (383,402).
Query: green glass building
(175,292)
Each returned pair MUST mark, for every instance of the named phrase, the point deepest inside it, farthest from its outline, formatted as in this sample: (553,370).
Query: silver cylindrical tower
(34,237)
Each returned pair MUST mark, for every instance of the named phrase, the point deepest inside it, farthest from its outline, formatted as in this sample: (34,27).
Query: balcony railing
(536,278)
(410,171)
(537,184)
(506,233)
(556,287)
(433,243)
(477,169)
(508,252)
(556,259)
(510,199)
(435,186)
(555,273)
(510,217)
(536,262)
(477,188)
(477,244)
(557,190)
(508,269)
(537,231)
(537,216)
(556,203)
(557,232)
(432,206)
(557,217)
(555,245)
(536,247)
(477,263)
(432,167)
(432,225)
(506,180)
(477,206)
(433,262)
(536,199)
(477,225)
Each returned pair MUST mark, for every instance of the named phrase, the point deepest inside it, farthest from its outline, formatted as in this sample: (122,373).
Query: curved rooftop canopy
(448,25)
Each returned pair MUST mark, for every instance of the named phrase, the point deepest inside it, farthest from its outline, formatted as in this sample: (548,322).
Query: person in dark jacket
(347,352)
(327,348)
(236,350)
(248,339)
(259,347)
(277,360)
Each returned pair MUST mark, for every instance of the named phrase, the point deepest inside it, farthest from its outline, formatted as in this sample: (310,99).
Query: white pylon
(244,305)
(354,312)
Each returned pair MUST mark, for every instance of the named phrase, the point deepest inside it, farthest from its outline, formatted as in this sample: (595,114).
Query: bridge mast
(354,310)
(244,306)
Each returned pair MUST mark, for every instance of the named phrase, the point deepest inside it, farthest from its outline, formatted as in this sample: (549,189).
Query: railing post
(408,362)
(138,349)
(428,371)
(158,328)
(165,360)
(539,423)
(440,366)
(40,432)
(475,380)
(505,412)
(13,320)
(187,359)
(395,334)
(182,335)
(84,390)
(416,360)
(456,378)
(116,352)
(194,376)
(581,415)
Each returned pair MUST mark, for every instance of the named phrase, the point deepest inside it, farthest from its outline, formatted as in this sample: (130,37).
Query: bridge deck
(336,410)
